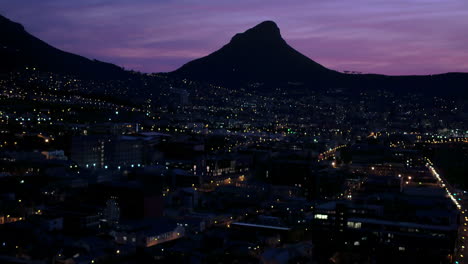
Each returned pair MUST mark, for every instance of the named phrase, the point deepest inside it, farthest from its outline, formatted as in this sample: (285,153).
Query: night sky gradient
(376,36)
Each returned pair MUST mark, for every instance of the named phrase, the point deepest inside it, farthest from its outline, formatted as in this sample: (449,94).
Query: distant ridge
(19,49)
(260,54)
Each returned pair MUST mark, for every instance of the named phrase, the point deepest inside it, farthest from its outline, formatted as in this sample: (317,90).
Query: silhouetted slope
(261,55)
(453,84)
(19,49)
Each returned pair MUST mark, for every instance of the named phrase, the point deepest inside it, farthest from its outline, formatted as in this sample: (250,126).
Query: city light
(255,153)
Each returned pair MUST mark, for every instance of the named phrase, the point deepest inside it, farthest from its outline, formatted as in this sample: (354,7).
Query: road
(461,250)
(329,153)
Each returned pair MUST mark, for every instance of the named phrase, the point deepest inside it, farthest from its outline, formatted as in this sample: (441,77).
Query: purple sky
(378,36)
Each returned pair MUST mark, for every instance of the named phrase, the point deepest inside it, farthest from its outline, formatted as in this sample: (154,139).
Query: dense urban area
(159,169)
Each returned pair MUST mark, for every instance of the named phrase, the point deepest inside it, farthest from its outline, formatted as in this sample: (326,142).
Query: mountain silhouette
(19,49)
(260,54)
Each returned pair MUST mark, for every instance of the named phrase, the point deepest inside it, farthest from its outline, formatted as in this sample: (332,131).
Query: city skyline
(156,37)
(268,141)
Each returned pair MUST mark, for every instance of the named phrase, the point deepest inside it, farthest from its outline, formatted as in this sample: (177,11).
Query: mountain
(19,49)
(260,54)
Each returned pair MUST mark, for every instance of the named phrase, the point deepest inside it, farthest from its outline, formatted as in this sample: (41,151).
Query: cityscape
(254,153)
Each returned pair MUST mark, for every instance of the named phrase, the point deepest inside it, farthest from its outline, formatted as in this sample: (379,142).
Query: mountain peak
(265,31)
(266,26)
(259,54)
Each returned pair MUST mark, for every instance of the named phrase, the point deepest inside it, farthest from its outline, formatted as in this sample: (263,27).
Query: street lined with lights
(452,193)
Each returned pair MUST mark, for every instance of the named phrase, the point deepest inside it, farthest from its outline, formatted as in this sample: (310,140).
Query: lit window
(321,216)
(356,225)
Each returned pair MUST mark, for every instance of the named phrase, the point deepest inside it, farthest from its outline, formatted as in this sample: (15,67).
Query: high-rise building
(107,152)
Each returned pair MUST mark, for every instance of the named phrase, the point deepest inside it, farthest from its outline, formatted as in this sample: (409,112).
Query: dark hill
(260,54)
(19,49)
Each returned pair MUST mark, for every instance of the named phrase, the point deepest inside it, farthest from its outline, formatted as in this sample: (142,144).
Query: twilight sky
(377,36)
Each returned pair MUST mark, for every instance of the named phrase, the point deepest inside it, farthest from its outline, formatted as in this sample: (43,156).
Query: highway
(460,255)
(329,153)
